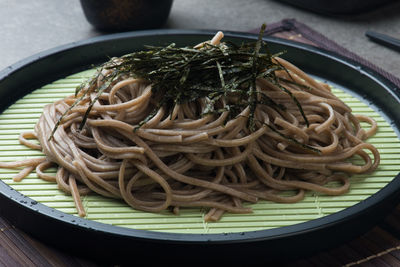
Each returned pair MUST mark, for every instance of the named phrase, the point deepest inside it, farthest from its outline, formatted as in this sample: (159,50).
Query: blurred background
(28,27)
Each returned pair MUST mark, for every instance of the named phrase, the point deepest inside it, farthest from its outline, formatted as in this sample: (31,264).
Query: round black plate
(117,244)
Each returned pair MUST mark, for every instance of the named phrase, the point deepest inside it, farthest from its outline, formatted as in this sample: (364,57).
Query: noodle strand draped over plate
(183,158)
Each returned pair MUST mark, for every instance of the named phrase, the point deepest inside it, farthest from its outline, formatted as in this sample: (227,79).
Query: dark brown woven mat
(379,246)
(300,32)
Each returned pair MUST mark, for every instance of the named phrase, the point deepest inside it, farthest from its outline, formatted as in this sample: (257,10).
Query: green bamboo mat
(23,114)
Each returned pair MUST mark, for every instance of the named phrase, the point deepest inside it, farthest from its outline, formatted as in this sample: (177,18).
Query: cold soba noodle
(273,136)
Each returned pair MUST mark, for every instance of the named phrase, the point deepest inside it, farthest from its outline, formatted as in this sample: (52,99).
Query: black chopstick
(384,39)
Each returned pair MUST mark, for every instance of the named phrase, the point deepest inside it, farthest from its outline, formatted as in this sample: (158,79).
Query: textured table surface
(28,27)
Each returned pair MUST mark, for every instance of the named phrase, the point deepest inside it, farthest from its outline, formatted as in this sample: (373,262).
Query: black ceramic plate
(107,242)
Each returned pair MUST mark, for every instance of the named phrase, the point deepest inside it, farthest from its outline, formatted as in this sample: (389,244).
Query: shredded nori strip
(185,74)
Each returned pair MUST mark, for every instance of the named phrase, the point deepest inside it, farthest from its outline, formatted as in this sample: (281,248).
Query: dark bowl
(341,7)
(126,15)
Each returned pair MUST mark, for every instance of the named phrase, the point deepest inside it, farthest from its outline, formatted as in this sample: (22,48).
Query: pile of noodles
(185,159)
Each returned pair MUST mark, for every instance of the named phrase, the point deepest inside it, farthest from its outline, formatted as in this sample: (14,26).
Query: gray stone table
(28,27)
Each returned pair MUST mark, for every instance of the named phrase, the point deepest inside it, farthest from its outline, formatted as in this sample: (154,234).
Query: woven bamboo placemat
(379,246)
